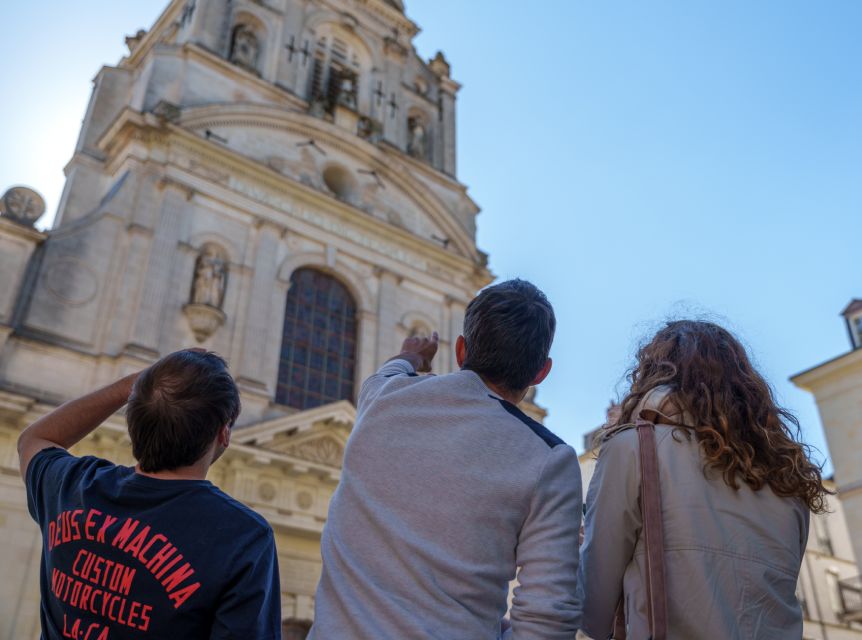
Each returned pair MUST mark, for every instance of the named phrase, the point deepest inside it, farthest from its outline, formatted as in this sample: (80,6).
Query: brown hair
(177,408)
(508,331)
(728,406)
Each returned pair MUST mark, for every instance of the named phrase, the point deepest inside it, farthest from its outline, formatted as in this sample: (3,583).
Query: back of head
(177,408)
(508,331)
(704,372)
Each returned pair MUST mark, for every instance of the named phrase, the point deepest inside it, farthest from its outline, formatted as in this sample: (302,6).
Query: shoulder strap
(653,530)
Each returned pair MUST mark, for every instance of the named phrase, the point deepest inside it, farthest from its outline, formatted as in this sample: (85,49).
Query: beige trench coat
(732,557)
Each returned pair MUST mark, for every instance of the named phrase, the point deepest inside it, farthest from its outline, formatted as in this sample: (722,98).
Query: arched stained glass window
(318,350)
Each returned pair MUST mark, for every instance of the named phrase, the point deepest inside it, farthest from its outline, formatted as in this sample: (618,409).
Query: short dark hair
(508,331)
(177,408)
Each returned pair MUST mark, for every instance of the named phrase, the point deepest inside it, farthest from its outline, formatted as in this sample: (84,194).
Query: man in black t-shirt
(153,551)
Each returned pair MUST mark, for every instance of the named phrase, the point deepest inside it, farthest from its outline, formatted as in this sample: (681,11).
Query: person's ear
(543,373)
(460,351)
(224,436)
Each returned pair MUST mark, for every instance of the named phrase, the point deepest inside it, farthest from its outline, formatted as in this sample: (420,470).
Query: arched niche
(419,134)
(414,323)
(248,42)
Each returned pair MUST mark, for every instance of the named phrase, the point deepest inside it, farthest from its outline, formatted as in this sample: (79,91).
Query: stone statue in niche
(204,310)
(347,92)
(210,278)
(416,138)
(244,49)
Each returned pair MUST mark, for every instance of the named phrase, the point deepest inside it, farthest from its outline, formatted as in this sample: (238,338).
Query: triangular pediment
(336,416)
(316,435)
(324,446)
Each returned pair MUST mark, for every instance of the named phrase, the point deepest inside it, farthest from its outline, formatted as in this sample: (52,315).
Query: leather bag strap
(653,531)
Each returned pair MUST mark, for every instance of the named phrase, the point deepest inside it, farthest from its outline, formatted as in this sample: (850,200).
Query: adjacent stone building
(274,180)
(837,388)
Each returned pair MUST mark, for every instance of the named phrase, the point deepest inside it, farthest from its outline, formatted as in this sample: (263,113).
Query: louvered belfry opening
(335,73)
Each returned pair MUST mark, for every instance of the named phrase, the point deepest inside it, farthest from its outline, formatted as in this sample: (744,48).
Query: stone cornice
(341,412)
(387,16)
(21,232)
(817,377)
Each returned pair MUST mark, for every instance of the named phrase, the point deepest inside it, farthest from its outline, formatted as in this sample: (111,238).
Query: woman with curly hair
(736,490)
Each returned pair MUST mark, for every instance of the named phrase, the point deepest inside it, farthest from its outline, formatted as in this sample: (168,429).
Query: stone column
(387,314)
(257,333)
(163,248)
(448,90)
(121,329)
(366,349)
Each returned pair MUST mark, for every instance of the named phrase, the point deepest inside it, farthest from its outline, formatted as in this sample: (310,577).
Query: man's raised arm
(415,357)
(71,422)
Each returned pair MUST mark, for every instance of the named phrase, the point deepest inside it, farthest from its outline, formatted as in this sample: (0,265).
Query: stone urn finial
(23,205)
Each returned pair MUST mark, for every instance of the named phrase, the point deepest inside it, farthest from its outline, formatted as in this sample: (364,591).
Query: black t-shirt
(126,556)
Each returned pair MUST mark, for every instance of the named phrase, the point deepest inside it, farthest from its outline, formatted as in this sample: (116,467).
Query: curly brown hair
(729,407)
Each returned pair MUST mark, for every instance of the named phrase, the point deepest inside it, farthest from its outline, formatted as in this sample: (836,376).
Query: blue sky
(636,160)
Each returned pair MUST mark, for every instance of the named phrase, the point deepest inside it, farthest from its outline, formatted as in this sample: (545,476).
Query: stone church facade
(274,180)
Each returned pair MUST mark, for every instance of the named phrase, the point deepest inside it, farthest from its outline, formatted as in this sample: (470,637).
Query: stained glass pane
(318,354)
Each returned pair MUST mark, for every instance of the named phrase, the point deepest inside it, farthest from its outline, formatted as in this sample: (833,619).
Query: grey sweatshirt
(446,489)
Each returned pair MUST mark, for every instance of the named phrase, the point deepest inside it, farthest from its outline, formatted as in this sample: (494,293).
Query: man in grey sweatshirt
(448,488)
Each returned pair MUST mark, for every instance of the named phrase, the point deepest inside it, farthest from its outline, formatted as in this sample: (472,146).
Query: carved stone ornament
(204,320)
(440,66)
(304,500)
(167,111)
(266,491)
(323,450)
(23,205)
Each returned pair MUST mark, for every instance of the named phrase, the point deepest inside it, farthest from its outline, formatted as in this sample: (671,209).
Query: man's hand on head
(419,351)
(71,422)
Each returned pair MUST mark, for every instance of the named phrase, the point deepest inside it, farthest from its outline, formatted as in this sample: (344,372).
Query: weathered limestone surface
(236,143)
